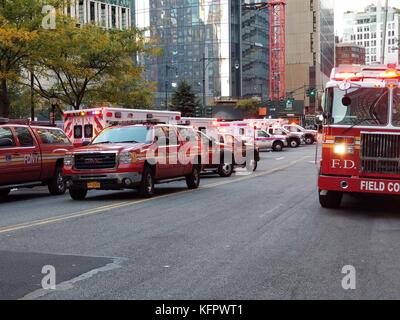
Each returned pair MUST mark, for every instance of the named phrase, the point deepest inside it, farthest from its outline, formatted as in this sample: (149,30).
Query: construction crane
(277,48)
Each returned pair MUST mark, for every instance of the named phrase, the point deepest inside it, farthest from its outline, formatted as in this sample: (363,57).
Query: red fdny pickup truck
(30,156)
(133,156)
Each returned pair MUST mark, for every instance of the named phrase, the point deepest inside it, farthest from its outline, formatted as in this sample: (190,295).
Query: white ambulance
(81,126)
(208,126)
(254,132)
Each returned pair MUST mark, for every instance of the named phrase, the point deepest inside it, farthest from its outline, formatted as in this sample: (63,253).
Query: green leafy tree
(19,24)
(249,106)
(90,65)
(185,100)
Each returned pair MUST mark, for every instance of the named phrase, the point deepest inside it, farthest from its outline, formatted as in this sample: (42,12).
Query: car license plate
(94,185)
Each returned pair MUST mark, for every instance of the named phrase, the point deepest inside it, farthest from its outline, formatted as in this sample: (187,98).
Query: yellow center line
(108,208)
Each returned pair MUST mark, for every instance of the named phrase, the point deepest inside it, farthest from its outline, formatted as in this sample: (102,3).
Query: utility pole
(32,97)
(385,20)
(205,62)
(167,83)
(204,85)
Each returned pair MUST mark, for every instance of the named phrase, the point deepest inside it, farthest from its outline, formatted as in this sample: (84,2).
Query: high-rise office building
(106,13)
(255,52)
(366,29)
(310,45)
(200,41)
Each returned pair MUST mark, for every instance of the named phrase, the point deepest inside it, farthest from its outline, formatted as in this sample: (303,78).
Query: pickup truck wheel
(251,165)
(193,180)
(57,185)
(330,200)
(146,189)
(4,193)
(225,170)
(293,143)
(277,146)
(309,140)
(78,194)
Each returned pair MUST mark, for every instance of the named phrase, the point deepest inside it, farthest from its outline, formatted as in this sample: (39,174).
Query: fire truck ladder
(277,48)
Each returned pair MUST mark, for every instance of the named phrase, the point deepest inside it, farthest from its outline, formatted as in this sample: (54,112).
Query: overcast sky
(342,6)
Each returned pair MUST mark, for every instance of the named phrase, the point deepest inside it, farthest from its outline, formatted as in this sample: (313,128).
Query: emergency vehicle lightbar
(359,73)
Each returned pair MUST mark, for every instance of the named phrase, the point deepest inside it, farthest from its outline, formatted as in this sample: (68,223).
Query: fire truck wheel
(146,189)
(78,194)
(225,170)
(331,200)
(309,140)
(293,143)
(193,180)
(278,146)
(57,185)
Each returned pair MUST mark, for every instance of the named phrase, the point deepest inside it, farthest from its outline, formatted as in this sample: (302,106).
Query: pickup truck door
(161,153)
(9,168)
(175,167)
(28,153)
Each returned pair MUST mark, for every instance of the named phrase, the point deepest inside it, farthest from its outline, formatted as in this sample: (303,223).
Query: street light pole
(166,86)
(205,62)
(204,85)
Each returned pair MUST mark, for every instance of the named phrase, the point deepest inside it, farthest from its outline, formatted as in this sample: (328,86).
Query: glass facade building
(327,36)
(201,43)
(255,53)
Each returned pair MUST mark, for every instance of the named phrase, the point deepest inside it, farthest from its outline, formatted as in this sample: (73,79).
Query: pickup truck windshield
(369,106)
(125,135)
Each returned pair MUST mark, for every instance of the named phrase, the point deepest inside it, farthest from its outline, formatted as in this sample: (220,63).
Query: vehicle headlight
(344,145)
(69,160)
(127,158)
(340,149)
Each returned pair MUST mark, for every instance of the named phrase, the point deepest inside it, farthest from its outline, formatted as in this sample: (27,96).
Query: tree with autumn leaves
(80,66)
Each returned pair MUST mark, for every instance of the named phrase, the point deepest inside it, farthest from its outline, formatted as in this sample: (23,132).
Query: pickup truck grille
(380,153)
(93,161)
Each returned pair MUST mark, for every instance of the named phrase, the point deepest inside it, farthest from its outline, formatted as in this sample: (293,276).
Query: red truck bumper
(359,185)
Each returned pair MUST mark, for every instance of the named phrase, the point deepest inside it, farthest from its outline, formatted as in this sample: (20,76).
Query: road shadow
(371,206)
(129,195)
(23,196)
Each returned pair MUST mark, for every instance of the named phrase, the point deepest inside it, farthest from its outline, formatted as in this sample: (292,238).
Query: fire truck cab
(361,135)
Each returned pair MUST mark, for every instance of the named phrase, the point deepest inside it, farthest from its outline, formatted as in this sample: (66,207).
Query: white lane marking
(271,210)
(109,208)
(281,158)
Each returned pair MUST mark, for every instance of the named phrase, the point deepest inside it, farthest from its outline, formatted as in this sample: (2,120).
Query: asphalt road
(259,236)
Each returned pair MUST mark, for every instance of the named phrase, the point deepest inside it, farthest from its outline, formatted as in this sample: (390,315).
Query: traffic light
(209,111)
(311,92)
(198,112)
(282,102)
(290,100)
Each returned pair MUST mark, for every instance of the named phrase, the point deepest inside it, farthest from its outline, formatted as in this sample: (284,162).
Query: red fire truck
(361,136)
